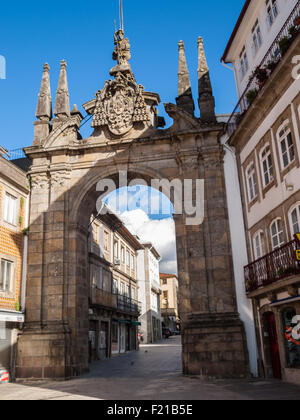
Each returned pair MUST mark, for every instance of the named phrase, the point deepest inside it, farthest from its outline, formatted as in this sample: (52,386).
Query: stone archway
(65,170)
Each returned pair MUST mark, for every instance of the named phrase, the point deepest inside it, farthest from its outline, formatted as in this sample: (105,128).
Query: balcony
(111,301)
(168,312)
(275,54)
(128,305)
(278,265)
(102,298)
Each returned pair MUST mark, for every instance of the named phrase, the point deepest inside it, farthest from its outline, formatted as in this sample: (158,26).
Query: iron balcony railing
(277,265)
(284,39)
(110,300)
(126,304)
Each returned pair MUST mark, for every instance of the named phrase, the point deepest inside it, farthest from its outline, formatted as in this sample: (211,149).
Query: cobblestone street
(153,373)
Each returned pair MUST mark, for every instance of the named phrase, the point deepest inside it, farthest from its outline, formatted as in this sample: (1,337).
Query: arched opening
(119,256)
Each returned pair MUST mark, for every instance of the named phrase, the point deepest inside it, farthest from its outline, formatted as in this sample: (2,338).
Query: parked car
(175,332)
(166,332)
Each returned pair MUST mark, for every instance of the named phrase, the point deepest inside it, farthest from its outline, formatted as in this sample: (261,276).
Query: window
(277,237)
(6,276)
(123,254)
(122,289)
(116,249)
(115,287)
(258,245)
(106,241)
(272,11)
(165,295)
(133,293)
(267,166)
(165,281)
(295,219)
(256,38)
(10,209)
(289,317)
(252,182)
(244,64)
(132,262)
(286,146)
(128,258)
(100,285)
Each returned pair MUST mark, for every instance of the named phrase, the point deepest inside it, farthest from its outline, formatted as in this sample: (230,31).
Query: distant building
(114,309)
(149,294)
(169,301)
(14,191)
(264,130)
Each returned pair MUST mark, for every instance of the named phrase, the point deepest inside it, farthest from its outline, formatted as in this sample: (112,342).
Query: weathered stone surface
(64,175)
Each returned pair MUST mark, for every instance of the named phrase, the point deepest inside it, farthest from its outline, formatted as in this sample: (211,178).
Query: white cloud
(161,233)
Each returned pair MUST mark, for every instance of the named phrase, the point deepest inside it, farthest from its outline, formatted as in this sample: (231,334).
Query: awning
(12,317)
(136,323)
(122,321)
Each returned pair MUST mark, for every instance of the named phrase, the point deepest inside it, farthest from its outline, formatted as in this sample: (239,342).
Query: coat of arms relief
(120,103)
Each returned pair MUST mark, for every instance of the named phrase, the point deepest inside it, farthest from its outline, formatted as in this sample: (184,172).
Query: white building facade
(149,292)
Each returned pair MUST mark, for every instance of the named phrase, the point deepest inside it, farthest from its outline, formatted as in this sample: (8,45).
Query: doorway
(270,323)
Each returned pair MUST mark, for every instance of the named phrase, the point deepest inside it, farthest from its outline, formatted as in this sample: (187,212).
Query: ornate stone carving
(39,181)
(121,102)
(59,179)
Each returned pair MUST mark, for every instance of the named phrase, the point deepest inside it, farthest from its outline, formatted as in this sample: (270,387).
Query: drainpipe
(25,255)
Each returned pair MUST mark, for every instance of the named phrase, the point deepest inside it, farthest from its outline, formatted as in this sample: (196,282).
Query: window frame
(249,177)
(244,63)
(9,198)
(286,131)
(278,233)
(257,39)
(292,209)
(4,289)
(271,6)
(259,234)
(270,167)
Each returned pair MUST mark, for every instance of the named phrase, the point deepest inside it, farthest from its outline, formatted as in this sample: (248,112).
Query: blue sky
(35,32)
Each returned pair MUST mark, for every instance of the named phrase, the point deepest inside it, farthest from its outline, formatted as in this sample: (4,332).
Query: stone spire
(44,106)
(185,98)
(206,99)
(62,104)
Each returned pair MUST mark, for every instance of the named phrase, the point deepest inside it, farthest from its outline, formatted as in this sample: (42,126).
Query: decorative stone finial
(44,106)
(185,98)
(206,99)
(62,104)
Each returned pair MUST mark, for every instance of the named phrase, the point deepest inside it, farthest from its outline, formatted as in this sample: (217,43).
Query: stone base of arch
(214,346)
(47,353)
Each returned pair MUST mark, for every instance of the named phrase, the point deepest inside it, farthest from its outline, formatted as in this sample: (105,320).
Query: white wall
(258,11)
(239,252)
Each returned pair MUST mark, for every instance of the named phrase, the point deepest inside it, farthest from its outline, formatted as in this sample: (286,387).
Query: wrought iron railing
(126,304)
(277,265)
(279,47)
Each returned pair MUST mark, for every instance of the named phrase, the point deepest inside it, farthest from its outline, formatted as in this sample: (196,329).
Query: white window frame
(277,234)
(252,185)
(296,207)
(261,245)
(115,287)
(7,283)
(256,38)
(10,209)
(132,262)
(283,134)
(267,171)
(128,258)
(272,12)
(244,63)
